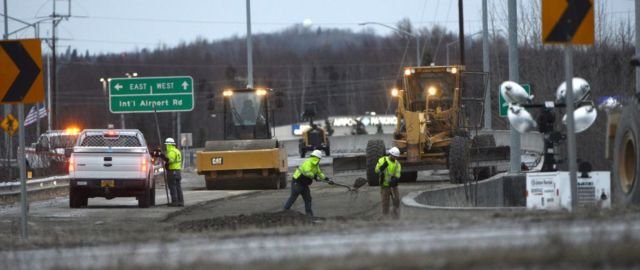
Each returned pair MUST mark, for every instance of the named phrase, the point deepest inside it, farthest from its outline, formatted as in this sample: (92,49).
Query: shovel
(356,185)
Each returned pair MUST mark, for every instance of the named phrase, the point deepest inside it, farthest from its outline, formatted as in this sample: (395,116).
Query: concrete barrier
(531,141)
(497,192)
(342,144)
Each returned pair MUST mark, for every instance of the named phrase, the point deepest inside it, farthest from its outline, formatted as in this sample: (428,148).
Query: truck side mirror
(67,152)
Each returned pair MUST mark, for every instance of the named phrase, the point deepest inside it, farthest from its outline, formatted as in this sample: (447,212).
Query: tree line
(341,71)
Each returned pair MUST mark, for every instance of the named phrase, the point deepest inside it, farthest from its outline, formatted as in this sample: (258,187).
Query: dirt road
(222,229)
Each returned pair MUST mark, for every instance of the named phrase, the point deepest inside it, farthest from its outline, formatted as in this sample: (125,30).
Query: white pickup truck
(111,163)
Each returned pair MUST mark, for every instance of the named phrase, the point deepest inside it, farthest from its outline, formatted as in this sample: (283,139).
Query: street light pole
(105,82)
(417,37)
(485,67)
(249,48)
(129,75)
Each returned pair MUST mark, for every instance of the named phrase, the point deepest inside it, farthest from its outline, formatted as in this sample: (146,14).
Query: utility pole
(55,20)
(485,67)
(6,107)
(461,31)
(249,48)
(514,76)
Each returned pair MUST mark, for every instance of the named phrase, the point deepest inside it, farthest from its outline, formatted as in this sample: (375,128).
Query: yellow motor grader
(432,131)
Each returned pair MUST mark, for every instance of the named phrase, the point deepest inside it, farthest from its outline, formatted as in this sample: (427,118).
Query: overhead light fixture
(583,117)
(514,93)
(227,93)
(581,90)
(520,119)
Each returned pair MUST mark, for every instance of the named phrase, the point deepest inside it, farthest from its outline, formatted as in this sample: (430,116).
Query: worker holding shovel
(388,168)
(304,175)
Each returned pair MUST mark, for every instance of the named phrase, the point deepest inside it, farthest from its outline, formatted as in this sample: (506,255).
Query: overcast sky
(124,25)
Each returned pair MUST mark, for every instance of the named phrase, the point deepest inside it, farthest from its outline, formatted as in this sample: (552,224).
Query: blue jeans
(300,189)
(175,188)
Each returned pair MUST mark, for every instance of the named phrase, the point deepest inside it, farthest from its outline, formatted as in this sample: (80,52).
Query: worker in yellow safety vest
(173,166)
(388,168)
(304,175)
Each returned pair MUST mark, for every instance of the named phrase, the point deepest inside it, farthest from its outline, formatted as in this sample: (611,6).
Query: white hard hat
(394,151)
(169,141)
(317,153)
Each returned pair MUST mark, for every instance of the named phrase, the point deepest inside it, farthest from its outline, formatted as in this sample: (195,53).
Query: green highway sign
(502,104)
(149,94)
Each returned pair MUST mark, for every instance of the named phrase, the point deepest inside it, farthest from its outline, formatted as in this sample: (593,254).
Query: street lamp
(417,37)
(105,82)
(129,75)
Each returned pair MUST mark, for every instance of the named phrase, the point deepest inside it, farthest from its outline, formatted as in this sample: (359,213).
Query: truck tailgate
(113,165)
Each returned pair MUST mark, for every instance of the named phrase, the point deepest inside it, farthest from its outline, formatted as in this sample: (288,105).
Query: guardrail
(44,188)
(8,188)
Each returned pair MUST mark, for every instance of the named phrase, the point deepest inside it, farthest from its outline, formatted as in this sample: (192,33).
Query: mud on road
(248,221)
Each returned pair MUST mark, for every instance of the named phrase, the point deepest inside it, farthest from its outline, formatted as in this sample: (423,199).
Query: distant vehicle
(314,137)
(52,150)
(111,163)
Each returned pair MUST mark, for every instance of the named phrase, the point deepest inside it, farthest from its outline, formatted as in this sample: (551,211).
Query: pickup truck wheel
(74,200)
(152,193)
(77,199)
(144,200)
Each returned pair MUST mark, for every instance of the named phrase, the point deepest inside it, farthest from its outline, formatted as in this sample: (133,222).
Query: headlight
(432,91)
(395,92)
(261,92)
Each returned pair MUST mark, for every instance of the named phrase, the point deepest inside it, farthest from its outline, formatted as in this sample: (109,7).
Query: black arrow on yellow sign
(570,21)
(29,71)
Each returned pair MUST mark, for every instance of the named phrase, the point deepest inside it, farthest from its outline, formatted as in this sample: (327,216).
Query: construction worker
(389,169)
(173,166)
(304,175)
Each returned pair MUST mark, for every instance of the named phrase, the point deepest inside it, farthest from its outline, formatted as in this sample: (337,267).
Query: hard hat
(169,141)
(394,151)
(317,153)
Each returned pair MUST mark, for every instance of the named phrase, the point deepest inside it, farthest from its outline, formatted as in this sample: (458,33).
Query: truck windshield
(437,88)
(101,141)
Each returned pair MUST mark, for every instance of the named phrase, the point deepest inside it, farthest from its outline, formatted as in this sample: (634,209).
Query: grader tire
(459,160)
(626,162)
(375,149)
